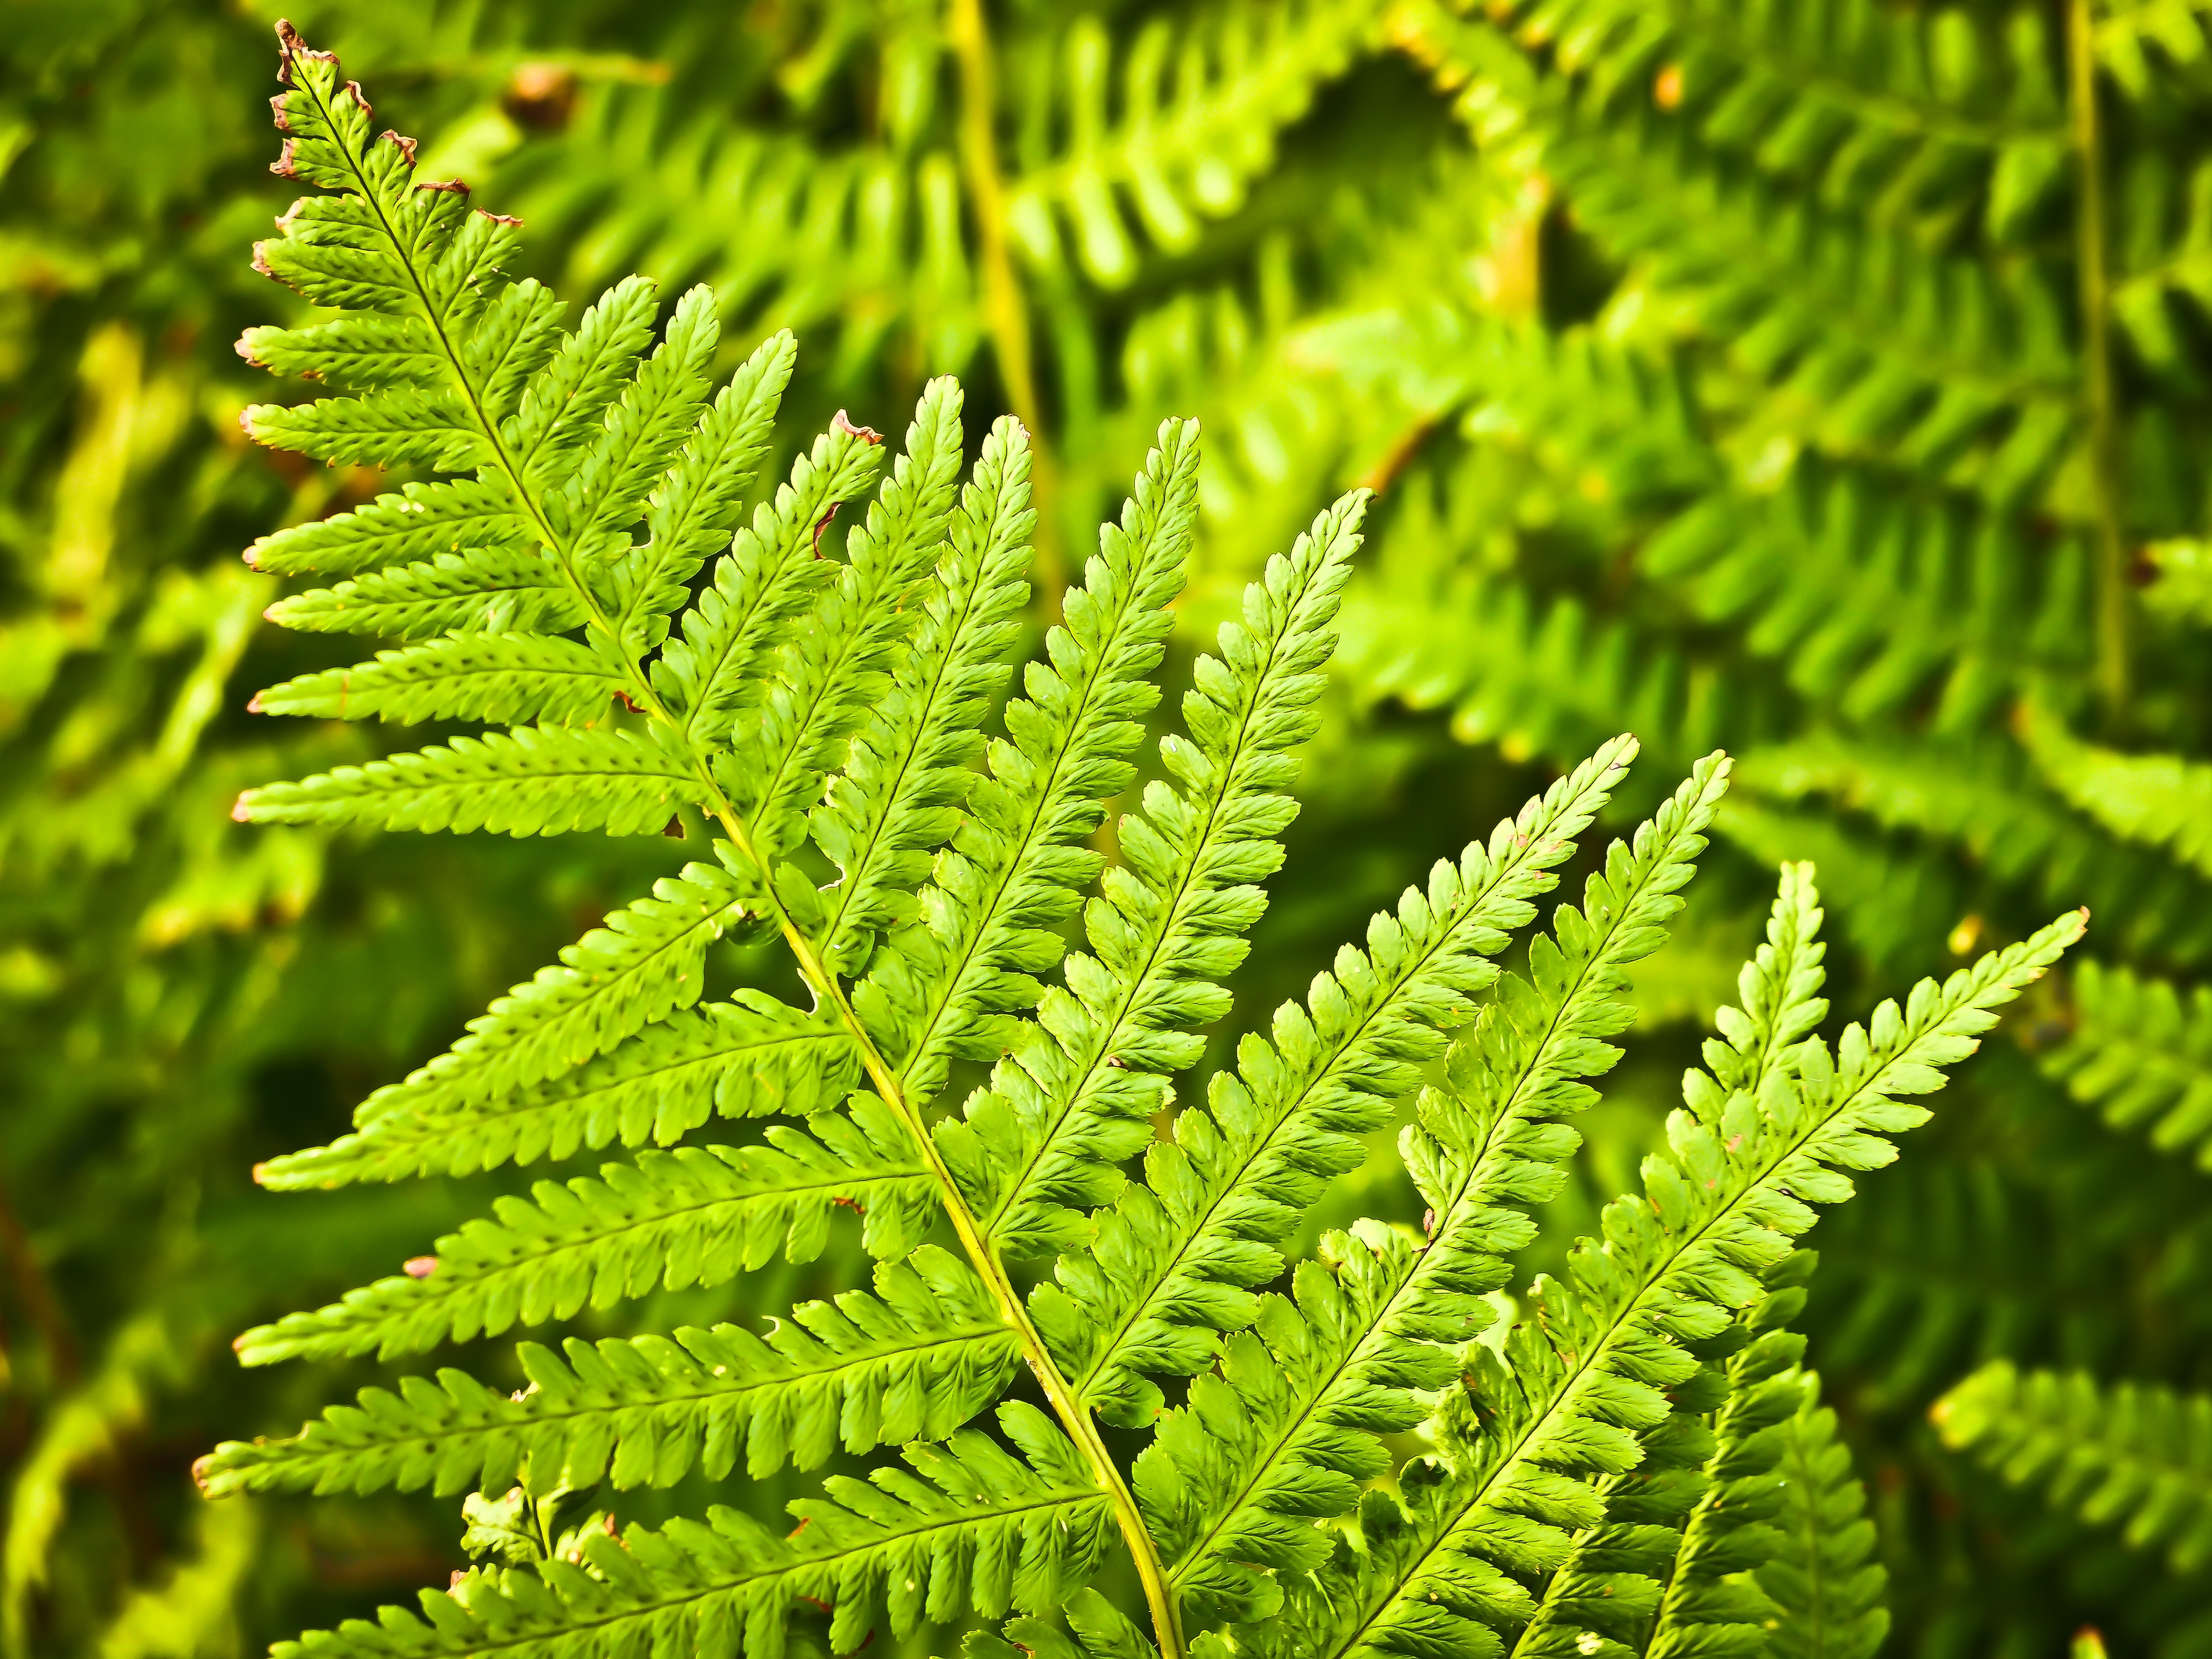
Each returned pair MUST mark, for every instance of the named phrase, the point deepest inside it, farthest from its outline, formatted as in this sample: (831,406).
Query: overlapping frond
(970,1527)
(1923,117)
(915,1361)
(1076,1097)
(2159,800)
(1282,1434)
(2136,1455)
(1579,1385)
(1174,1260)
(751,1056)
(2140,1052)
(1823,1577)
(695,1216)
(947,985)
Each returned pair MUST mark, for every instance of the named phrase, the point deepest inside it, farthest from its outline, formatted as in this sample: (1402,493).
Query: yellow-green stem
(2114,670)
(1006,307)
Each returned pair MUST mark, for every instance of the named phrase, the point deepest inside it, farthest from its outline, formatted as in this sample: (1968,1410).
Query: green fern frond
(973,1526)
(1279,1436)
(1193,123)
(2142,1053)
(1173,1261)
(2134,36)
(947,985)
(1719,1211)
(1888,598)
(513,679)
(458,518)
(915,1361)
(911,764)
(752,1056)
(534,781)
(695,1216)
(2137,1456)
(1917,116)
(1077,1097)
(1823,1578)
(491,590)
(2159,800)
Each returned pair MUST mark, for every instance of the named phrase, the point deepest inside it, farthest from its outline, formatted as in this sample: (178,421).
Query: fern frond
(1718,1210)
(1076,1098)
(834,670)
(1824,1578)
(910,764)
(1197,119)
(461,518)
(752,1056)
(1095,1629)
(698,504)
(647,963)
(1918,117)
(2141,1055)
(711,671)
(1713,1603)
(945,986)
(699,1215)
(1172,1262)
(1887,597)
(915,1361)
(2159,800)
(1280,1435)
(512,679)
(534,780)
(974,1526)
(508,590)
(2137,1456)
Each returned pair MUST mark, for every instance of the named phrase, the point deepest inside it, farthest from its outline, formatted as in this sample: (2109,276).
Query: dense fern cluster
(1603,1453)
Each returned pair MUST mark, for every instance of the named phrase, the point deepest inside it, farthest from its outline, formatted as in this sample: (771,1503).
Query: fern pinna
(1597,1464)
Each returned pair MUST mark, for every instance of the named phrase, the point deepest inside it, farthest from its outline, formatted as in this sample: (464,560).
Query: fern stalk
(1006,311)
(2114,670)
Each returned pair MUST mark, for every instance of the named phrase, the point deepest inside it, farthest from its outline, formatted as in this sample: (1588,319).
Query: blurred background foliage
(1735,372)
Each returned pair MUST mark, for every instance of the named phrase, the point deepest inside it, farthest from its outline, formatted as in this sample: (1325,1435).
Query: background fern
(1392,245)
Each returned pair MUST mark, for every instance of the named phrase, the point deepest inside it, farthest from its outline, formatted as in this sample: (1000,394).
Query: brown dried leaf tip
(866,435)
(420,1267)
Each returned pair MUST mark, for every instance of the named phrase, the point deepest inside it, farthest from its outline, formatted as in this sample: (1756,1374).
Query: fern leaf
(1187,142)
(648,423)
(511,679)
(509,589)
(1718,1209)
(2160,800)
(2141,1055)
(910,763)
(697,506)
(974,1526)
(1095,1629)
(1172,1262)
(400,428)
(770,572)
(915,1361)
(698,1215)
(945,986)
(750,1057)
(833,671)
(537,780)
(418,523)
(566,404)
(1391,1319)
(2136,1457)
(1078,1097)
(1713,1604)
(1823,1578)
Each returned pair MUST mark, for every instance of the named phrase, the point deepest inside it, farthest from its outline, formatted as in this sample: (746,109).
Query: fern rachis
(802,695)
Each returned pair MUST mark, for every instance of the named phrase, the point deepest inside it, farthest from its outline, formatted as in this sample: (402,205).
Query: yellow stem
(1005,308)
(2113,667)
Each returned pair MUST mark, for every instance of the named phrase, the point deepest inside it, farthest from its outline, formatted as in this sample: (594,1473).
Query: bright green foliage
(2136,1457)
(1828,1591)
(816,719)
(2142,1053)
